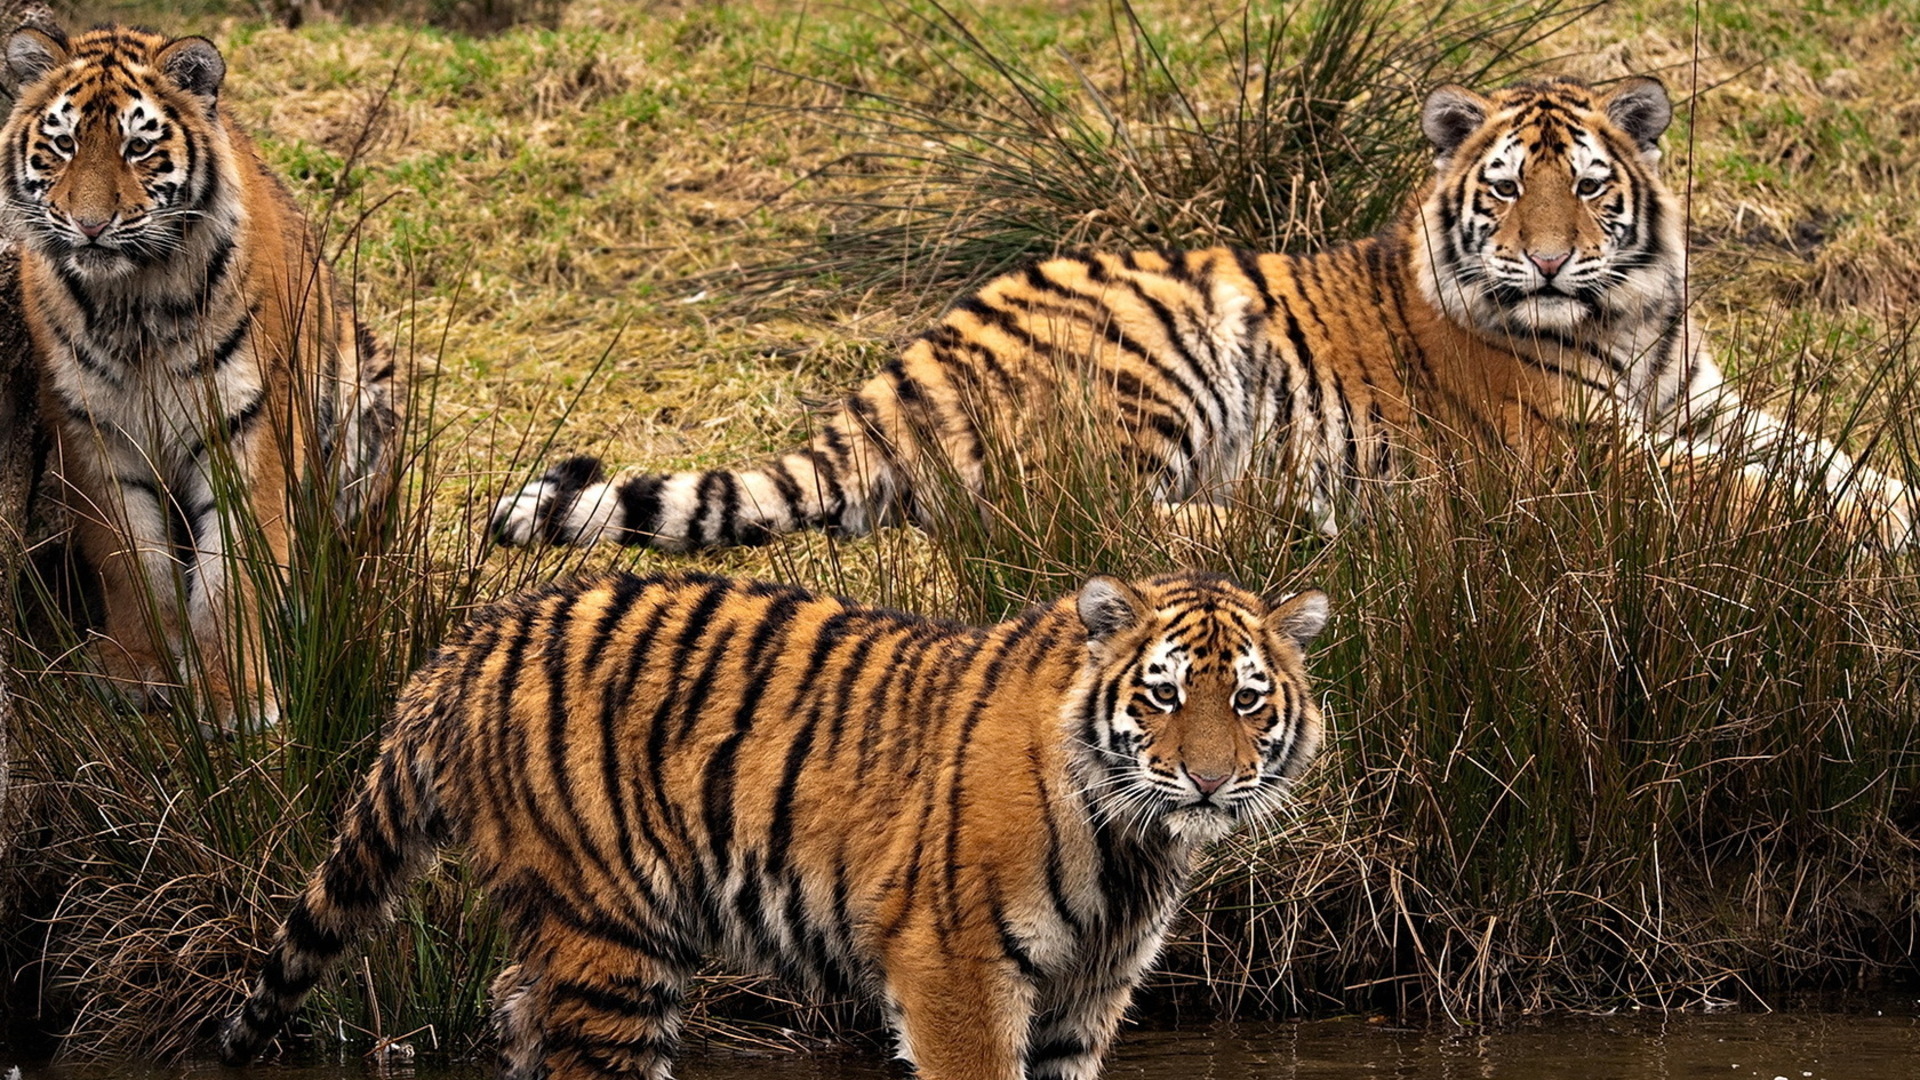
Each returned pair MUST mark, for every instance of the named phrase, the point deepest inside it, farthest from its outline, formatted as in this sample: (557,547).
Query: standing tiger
(643,769)
(1536,284)
(198,360)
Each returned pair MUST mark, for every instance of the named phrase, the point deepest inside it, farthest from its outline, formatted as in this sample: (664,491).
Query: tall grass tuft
(1609,736)
(1269,126)
(161,856)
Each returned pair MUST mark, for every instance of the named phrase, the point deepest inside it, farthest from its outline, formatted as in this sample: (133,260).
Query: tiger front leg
(1072,1034)
(959,1017)
(121,529)
(140,597)
(239,556)
(1712,421)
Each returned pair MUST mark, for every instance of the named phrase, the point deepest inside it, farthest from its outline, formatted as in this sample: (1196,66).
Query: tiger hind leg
(589,1007)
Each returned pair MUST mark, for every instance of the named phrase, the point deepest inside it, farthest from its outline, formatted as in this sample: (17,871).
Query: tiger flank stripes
(191,338)
(1535,286)
(645,770)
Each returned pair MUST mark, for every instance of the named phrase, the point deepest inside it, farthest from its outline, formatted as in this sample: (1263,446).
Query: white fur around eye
(1166,666)
(1250,673)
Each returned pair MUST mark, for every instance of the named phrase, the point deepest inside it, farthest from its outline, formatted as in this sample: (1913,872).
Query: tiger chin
(199,363)
(1536,286)
(984,830)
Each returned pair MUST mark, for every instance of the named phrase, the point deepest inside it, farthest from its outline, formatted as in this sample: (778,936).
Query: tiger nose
(1207,783)
(91,226)
(1548,264)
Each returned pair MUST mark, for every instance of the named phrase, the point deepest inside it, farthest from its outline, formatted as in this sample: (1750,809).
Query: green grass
(1609,742)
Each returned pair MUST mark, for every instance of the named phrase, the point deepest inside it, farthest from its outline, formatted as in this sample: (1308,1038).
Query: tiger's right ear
(1301,616)
(1107,606)
(1451,114)
(194,65)
(31,54)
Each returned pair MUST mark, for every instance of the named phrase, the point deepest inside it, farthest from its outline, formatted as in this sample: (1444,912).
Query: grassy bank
(1598,739)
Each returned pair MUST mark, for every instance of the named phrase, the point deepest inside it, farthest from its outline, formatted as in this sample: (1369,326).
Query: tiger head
(1194,711)
(107,144)
(1546,215)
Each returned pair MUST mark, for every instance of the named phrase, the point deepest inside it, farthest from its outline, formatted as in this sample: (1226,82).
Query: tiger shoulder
(1535,285)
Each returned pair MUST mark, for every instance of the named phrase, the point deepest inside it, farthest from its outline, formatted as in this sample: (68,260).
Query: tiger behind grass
(1536,285)
(192,341)
(986,830)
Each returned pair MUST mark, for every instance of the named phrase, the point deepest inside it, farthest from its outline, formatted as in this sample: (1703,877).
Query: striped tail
(847,480)
(389,836)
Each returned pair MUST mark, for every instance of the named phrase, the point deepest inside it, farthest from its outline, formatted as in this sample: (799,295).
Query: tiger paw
(571,503)
(1894,524)
(224,713)
(1880,514)
(134,677)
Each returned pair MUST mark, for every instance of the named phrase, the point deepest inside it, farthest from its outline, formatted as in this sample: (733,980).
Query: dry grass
(1733,703)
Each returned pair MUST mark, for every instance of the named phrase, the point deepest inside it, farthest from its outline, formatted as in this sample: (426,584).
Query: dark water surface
(1772,1046)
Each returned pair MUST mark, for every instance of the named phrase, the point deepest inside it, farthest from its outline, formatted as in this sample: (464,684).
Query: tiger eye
(1247,698)
(1506,189)
(1588,187)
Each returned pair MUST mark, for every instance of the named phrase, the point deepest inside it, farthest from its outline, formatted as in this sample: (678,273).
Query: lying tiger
(986,830)
(1536,285)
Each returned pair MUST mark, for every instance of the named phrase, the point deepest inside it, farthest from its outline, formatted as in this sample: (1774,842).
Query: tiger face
(1546,216)
(1196,711)
(106,149)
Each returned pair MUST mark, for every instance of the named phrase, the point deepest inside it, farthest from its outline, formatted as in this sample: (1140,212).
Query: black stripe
(829,635)
(639,509)
(229,346)
(235,425)
(1009,941)
(559,733)
(1014,636)
(694,627)
(613,758)
(761,659)
(653,1001)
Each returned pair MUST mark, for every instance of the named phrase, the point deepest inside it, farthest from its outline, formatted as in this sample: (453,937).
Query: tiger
(1534,287)
(643,770)
(191,340)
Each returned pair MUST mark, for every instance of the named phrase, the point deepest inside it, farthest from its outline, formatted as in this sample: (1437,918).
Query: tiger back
(984,830)
(1534,287)
(191,339)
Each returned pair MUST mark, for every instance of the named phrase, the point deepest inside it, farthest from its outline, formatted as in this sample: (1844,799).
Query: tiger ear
(31,53)
(1107,606)
(1451,114)
(1301,616)
(1640,108)
(194,65)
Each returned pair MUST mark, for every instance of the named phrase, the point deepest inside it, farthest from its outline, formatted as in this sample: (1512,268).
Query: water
(1772,1046)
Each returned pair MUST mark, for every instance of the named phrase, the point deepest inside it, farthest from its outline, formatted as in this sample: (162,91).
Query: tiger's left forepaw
(1883,515)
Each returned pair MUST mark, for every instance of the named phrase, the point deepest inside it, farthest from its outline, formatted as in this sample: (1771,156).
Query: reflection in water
(1776,1046)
